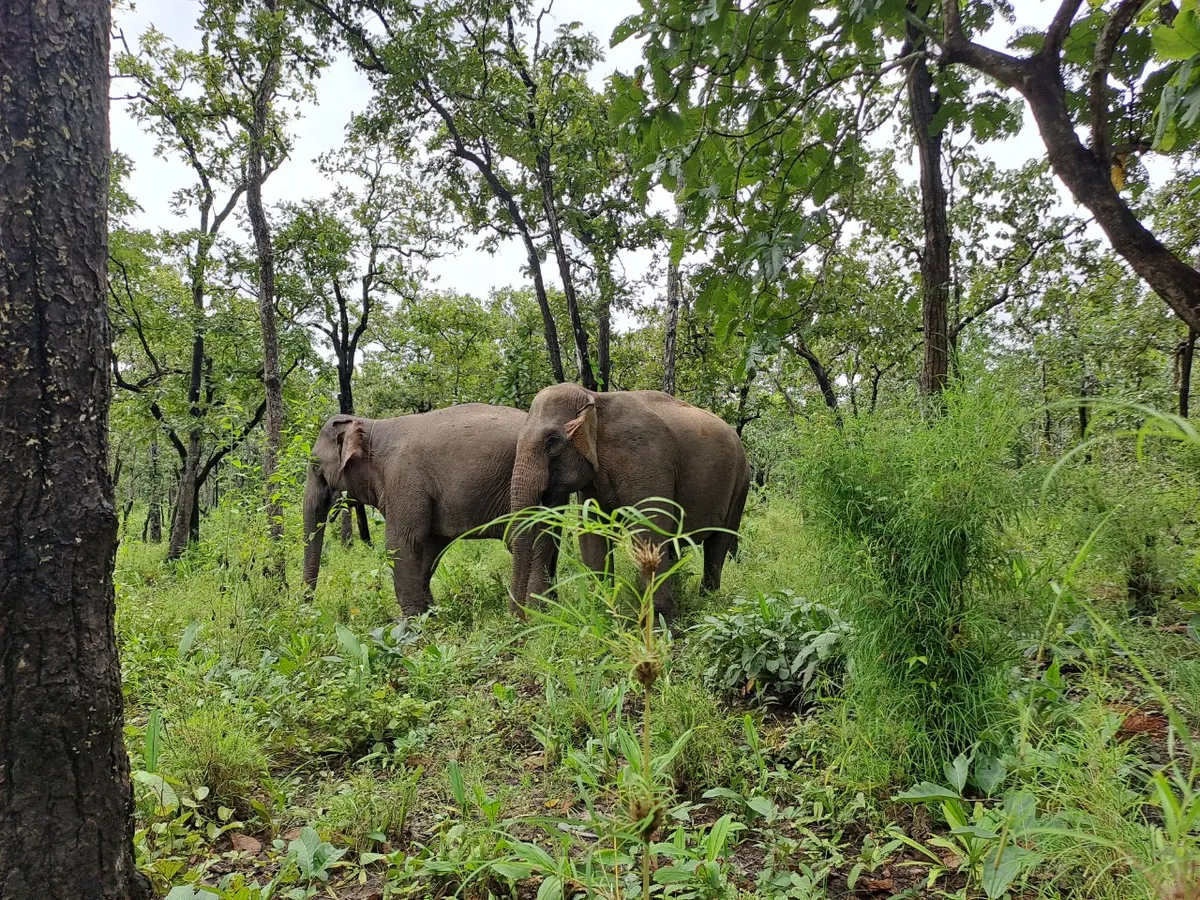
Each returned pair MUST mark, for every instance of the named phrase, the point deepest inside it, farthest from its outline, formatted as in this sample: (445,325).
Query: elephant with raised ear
(434,476)
(621,449)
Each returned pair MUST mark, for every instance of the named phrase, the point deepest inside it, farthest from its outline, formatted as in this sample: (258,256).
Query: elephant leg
(716,548)
(412,564)
(543,572)
(433,549)
(664,594)
(410,578)
(596,552)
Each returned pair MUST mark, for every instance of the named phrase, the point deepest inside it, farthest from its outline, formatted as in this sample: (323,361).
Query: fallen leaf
(292,833)
(245,844)
(880,884)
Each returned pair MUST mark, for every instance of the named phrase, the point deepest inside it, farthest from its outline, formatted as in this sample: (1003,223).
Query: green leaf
(956,772)
(513,871)
(724,794)
(1000,871)
(976,831)
(1180,40)
(457,788)
(534,855)
(551,888)
(719,834)
(153,735)
(761,805)
(187,641)
(673,875)
(989,773)
(168,800)
(927,791)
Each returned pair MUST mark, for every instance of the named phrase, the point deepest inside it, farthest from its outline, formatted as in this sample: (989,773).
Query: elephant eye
(554,442)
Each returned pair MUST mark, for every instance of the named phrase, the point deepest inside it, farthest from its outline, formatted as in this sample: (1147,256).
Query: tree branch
(1106,46)
(1010,71)
(1059,27)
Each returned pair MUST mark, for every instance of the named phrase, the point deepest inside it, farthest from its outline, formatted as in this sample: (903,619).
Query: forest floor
(294,748)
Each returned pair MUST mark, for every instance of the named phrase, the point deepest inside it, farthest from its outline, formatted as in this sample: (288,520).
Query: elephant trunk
(529,483)
(318,499)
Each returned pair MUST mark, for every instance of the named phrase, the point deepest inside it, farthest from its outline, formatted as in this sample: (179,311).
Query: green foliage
(916,508)
(781,648)
(983,838)
(217,750)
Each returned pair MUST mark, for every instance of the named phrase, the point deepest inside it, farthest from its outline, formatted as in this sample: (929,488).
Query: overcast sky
(342,91)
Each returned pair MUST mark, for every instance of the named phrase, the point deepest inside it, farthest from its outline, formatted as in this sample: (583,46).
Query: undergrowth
(921,679)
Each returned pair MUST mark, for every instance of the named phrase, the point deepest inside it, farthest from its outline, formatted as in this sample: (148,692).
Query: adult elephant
(435,476)
(620,449)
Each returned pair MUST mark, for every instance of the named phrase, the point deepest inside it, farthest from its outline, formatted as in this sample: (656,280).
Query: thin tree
(66,825)
(258,128)
(924,105)
(673,290)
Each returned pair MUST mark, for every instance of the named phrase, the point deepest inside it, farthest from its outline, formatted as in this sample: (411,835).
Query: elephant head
(556,454)
(338,463)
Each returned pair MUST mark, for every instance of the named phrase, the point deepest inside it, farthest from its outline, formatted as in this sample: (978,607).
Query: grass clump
(914,509)
(367,811)
(215,748)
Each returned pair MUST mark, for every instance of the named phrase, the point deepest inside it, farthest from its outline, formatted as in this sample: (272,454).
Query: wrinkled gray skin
(434,476)
(620,449)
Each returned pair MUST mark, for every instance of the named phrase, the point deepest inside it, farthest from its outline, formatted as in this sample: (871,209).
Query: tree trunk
(923,103)
(1187,352)
(345,366)
(154,516)
(607,289)
(672,325)
(276,566)
(546,180)
(822,375)
(185,499)
(66,804)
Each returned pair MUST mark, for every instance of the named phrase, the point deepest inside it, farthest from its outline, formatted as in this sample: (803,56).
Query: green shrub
(780,647)
(217,749)
(914,509)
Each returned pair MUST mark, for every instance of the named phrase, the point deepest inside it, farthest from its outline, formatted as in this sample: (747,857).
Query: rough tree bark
(66,803)
(607,290)
(545,178)
(255,175)
(923,102)
(345,348)
(1085,171)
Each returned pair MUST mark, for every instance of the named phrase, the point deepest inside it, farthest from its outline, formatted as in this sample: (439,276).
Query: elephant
(435,476)
(620,449)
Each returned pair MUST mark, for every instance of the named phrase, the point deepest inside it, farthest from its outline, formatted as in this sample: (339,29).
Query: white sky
(342,91)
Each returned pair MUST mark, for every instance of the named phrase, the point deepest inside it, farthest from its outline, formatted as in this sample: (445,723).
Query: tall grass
(913,510)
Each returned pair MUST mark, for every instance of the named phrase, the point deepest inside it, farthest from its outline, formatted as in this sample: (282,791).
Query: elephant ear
(351,443)
(581,432)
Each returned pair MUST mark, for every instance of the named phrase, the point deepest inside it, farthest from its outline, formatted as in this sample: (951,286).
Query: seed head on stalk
(646,555)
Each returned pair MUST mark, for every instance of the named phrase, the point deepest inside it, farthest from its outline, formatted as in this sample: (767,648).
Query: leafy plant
(981,842)
(313,858)
(779,647)
(915,511)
